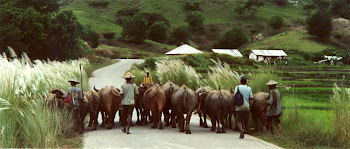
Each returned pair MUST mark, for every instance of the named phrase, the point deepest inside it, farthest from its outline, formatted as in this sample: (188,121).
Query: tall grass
(341,102)
(25,120)
(258,80)
(139,75)
(221,76)
(176,71)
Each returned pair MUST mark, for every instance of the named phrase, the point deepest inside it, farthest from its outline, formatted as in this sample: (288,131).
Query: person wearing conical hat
(274,109)
(147,79)
(74,94)
(128,91)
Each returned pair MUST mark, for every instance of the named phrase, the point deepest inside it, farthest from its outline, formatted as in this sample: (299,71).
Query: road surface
(145,137)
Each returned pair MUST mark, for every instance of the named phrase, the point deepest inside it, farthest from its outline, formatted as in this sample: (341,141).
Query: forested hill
(126,28)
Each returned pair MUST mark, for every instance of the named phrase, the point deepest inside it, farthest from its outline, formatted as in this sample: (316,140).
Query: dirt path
(145,137)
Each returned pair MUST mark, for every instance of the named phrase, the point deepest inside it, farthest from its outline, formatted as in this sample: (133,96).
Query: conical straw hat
(271,82)
(128,75)
(73,80)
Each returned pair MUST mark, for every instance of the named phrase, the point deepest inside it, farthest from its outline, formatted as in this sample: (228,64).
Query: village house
(183,50)
(260,55)
(232,52)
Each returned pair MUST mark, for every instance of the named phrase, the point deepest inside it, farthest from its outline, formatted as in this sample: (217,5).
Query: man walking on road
(242,111)
(128,91)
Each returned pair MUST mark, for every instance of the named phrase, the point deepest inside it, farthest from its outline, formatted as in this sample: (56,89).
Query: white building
(232,52)
(184,49)
(260,55)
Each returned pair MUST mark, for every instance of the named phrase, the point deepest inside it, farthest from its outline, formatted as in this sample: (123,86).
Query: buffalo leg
(200,118)
(213,123)
(181,122)
(188,118)
(166,117)
(205,125)
(173,121)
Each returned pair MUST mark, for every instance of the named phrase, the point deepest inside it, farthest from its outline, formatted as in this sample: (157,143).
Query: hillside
(219,16)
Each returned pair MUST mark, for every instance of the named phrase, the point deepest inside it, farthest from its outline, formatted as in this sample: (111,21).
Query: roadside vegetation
(25,118)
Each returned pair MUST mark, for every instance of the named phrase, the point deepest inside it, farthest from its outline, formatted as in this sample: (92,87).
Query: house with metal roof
(260,55)
(183,49)
(232,52)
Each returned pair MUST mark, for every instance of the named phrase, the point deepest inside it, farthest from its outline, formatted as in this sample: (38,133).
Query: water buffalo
(110,100)
(201,94)
(154,99)
(217,106)
(258,109)
(55,98)
(184,101)
(169,88)
(91,107)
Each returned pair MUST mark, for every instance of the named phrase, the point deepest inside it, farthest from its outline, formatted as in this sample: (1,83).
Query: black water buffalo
(217,106)
(184,101)
(169,88)
(201,94)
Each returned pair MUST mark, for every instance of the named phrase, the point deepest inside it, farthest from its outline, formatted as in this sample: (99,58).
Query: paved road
(145,137)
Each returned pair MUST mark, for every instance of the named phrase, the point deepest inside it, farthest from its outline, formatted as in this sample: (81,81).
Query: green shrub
(139,75)
(232,39)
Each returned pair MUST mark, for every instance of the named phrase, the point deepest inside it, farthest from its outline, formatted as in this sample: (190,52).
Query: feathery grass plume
(25,119)
(221,76)
(12,52)
(176,71)
(341,102)
(26,59)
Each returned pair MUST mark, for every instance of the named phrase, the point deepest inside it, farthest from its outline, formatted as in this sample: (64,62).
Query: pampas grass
(221,76)
(176,71)
(25,120)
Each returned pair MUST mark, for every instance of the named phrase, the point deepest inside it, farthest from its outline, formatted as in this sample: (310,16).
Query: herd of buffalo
(171,100)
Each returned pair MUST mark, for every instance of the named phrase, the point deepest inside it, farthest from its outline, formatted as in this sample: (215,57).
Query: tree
(99,5)
(239,10)
(195,20)
(155,17)
(192,6)
(276,22)
(41,32)
(340,8)
(91,37)
(108,36)
(320,25)
(135,29)
(253,5)
(233,38)
(125,14)
(158,32)
(281,3)
(180,35)
(66,32)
